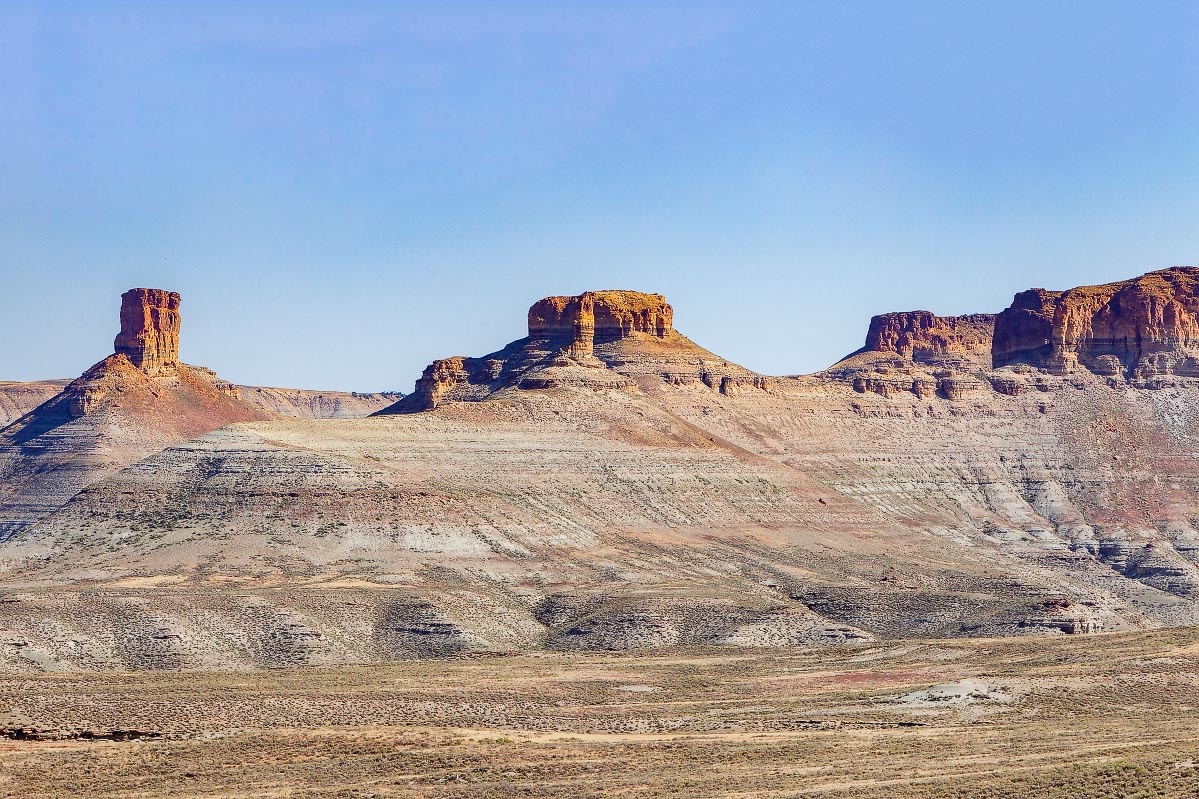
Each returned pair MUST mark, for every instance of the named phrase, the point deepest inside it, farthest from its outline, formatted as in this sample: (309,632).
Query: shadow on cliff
(51,414)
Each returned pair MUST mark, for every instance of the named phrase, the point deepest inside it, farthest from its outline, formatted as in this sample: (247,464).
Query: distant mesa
(311,404)
(918,352)
(1141,330)
(597,340)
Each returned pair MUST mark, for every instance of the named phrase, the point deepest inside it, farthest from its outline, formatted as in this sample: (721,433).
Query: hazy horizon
(343,196)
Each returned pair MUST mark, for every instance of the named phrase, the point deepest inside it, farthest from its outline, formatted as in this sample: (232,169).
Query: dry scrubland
(1095,716)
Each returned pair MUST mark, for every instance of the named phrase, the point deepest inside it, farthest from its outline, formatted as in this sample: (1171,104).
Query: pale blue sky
(344,191)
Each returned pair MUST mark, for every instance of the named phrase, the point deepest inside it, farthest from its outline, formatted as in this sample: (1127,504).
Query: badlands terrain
(607,484)
(604,558)
(133,403)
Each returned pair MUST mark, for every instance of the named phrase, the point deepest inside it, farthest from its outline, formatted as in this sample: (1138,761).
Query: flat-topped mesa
(599,316)
(569,346)
(149,334)
(1141,329)
(922,336)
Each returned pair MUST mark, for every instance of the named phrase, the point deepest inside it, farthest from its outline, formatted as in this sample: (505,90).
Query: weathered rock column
(149,334)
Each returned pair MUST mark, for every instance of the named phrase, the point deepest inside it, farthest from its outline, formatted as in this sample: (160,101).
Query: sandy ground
(1107,715)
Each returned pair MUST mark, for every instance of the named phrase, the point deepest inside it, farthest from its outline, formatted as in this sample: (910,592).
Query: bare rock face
(439,378)
(577,342)
(922,336)
(149,334)
(599,316)
(1141,329)
(919,353)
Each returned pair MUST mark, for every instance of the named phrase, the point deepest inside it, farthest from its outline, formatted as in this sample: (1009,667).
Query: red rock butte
(149,335)
(569,339)
(599,316)
(1142,328)
(921,334)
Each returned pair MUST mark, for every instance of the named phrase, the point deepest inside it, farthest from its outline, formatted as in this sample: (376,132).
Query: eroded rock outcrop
(922,336)
(149,335)
(1141,329)
(148,343)
(919,353)
(599,316)
(438,379)
(131,404)
(598,340)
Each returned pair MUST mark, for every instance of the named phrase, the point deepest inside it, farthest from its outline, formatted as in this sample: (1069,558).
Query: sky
(343,192)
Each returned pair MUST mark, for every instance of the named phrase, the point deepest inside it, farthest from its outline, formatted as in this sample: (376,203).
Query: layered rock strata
(1142,329)
(18,399)
(646,494)
(310,404)
(599,316)
(920,353)
(1142,332)
(149,335)
(597,340)
(922,336)
(131,404)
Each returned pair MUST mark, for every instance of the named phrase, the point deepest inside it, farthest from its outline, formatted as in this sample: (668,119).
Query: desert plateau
(603,546)
(769,399)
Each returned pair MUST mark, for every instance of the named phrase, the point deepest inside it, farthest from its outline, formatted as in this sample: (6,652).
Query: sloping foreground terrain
(1111,715)
(605,483)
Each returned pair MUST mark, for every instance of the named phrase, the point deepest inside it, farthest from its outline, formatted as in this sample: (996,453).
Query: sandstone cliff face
(149,334)
(438,379)
(1143,332)
(1143,329)
(598,316)
(598,340)
(922,336)
(1025,328)
(920,353)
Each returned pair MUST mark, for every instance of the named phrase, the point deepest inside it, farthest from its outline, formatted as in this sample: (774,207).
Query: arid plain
(1111,715)
(602,559)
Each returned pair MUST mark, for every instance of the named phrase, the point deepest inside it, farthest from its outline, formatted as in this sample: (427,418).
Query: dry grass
(1095,716)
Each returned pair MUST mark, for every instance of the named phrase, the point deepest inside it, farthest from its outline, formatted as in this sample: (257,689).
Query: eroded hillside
(606,483)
